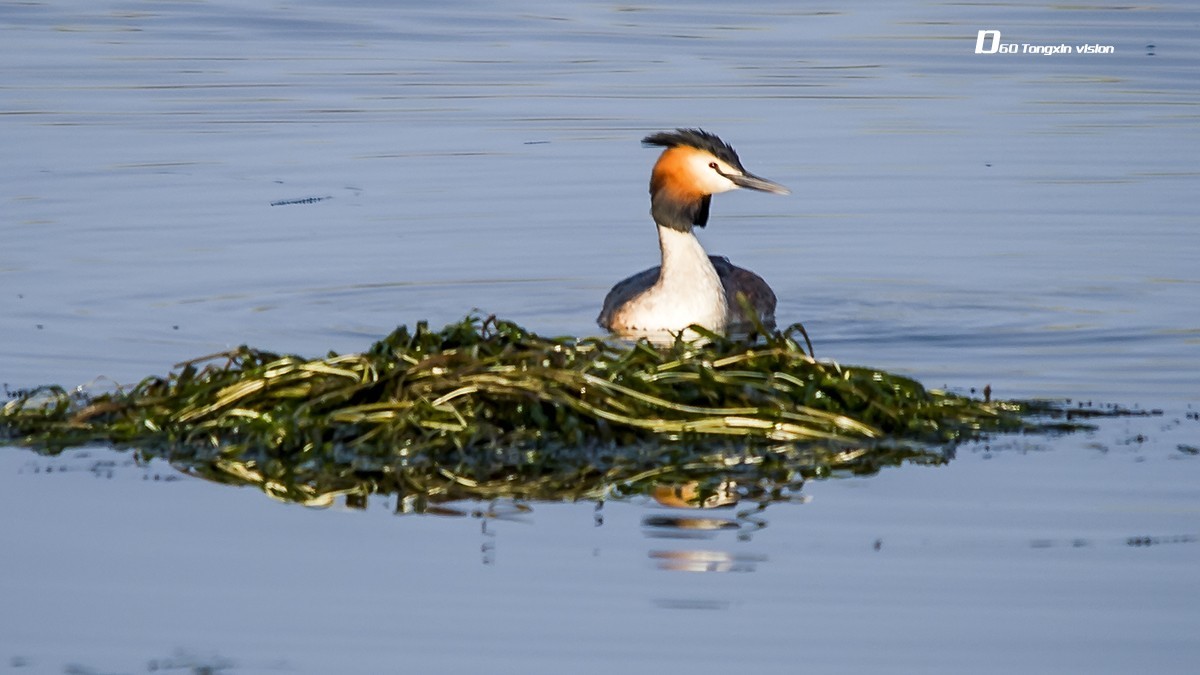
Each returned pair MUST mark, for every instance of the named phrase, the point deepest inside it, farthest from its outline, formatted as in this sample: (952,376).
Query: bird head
(694,166)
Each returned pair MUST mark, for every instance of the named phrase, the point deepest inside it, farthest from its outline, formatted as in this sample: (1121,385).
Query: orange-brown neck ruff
(675,201)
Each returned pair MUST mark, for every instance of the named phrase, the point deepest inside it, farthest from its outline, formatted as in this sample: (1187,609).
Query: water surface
(181,178)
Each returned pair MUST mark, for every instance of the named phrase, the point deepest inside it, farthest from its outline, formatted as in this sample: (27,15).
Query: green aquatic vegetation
(484,408)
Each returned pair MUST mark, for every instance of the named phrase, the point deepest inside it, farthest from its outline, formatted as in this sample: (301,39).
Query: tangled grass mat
(485,409)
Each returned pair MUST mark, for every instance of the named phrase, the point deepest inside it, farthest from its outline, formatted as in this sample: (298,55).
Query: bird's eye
(713,166)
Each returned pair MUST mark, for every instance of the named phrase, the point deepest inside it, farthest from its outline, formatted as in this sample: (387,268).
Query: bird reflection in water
(708,527)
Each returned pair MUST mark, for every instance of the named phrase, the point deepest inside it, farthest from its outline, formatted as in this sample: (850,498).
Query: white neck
(688,289)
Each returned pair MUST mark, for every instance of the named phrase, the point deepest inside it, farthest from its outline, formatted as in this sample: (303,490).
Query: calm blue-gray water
(179,178)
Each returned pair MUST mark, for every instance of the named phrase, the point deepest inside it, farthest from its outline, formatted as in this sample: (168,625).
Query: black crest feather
(696,138)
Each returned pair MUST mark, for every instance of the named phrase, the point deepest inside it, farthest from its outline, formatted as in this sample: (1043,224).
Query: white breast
(688,290)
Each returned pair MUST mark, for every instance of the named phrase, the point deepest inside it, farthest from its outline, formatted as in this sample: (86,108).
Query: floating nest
(486,409)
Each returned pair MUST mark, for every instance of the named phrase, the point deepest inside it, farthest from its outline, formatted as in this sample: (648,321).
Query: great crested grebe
(690,287)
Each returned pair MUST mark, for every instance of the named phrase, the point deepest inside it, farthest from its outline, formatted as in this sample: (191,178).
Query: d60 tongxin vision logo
(988,42)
